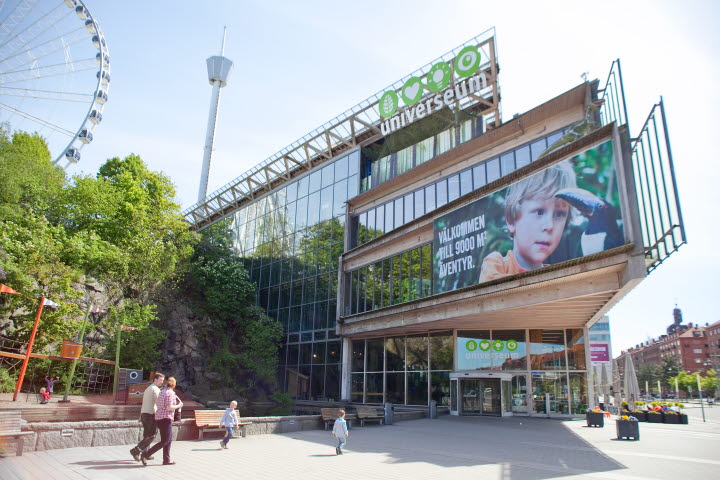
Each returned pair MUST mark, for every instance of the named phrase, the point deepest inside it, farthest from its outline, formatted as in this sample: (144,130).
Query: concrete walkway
(449,447)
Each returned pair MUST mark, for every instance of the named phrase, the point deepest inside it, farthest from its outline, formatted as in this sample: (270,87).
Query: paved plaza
(448,447)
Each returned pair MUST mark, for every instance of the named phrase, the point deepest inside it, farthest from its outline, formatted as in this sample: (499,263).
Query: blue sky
(299,64)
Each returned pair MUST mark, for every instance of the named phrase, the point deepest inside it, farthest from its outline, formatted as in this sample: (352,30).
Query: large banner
(567,210)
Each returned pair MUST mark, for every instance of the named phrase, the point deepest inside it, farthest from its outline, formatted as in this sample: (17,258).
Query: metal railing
(661,221)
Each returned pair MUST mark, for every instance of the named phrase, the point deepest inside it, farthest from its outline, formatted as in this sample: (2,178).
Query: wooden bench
(210,420)
(369,413)
(329,415)
(10,430)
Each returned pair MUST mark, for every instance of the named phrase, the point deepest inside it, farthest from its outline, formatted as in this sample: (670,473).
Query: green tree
(139,347)
(132,209)
(670,369)
(650,373)
(709,383)
(244,341)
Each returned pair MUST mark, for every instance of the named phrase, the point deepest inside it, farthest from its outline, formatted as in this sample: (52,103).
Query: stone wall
(56,435)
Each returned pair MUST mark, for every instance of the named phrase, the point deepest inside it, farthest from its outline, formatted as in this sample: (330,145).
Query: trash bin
(433,409)
(389,413)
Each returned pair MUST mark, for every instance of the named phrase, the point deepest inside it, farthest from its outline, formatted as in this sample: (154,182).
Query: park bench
(369,413)
(329,415)
(210,420)
(10,430)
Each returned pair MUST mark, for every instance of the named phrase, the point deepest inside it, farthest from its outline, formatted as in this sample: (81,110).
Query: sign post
(70,376)
(702,407)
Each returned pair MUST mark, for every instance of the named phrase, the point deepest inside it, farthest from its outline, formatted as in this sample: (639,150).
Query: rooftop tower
(218,71)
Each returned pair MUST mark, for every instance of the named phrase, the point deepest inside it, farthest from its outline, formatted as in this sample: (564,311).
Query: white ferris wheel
(54,73)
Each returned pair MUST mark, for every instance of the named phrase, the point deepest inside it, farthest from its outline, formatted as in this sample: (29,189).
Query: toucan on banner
(565,211)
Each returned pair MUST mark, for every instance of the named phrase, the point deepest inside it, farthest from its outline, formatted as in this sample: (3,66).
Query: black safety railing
(614,108)
(661,221)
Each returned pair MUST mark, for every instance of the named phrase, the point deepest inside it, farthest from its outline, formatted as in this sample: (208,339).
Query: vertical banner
(567,210)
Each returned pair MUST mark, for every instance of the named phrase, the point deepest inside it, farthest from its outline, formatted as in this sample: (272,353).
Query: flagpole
(29,348)
(70,376)
(117,362)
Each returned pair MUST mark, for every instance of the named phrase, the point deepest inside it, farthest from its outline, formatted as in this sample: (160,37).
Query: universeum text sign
(439,80)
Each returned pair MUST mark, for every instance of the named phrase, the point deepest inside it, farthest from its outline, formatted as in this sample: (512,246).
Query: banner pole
(29,349)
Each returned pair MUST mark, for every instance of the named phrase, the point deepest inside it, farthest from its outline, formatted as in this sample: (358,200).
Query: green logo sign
(498,345)
(439,77)
(484,345)
(388,104)
(467,61)
(412,91)
(511,345)
(470,345)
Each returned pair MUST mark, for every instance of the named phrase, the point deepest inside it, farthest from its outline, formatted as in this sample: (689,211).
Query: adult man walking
(147,415)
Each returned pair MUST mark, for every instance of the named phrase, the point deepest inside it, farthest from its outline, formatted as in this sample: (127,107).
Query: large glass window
(395,387)
(509,350)
(375,355)
(576,349)
(417,389)
(374,387)
(395,354)
(417,352)
(547,350)
(474,349)
(441,351)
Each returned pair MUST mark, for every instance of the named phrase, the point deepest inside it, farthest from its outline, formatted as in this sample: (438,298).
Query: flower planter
(670,418)
(641,415)
(656,417)
(627,429)
(683,419)
(595,419)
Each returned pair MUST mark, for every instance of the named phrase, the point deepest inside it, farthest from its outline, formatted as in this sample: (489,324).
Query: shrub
(7,383)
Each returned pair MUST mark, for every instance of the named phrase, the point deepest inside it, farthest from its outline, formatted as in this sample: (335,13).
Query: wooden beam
(53,357)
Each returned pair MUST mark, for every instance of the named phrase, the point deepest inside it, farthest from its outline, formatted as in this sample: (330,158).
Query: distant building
(713,343)
(690,343)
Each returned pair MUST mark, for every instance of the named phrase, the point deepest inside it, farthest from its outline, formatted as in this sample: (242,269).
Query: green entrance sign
(498,345)
(467,61)
(412,91)
(388,104)
(484,345)
(439,77)
(471,345)
(511,345)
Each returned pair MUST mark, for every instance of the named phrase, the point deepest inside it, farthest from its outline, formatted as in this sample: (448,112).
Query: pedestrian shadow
(523,447)
(206,449)
(328,455)
(109,464)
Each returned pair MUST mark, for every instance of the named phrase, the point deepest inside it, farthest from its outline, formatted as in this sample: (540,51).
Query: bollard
(388,413)
(433,413)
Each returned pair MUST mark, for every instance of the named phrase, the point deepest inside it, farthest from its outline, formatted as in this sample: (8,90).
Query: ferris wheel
(54,73)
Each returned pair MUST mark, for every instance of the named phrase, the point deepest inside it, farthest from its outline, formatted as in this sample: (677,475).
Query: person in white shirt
(147,415)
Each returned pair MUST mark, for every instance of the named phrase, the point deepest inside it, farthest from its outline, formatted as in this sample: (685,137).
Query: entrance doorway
(480,396)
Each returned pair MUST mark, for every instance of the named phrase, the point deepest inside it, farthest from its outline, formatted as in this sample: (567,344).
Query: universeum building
(420,247)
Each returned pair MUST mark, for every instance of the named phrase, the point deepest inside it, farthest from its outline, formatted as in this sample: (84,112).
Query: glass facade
(407,370)
(395,213)
(291,240)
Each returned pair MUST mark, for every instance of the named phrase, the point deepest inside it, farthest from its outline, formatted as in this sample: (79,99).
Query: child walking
(45,395)
(230,422)
(340,431)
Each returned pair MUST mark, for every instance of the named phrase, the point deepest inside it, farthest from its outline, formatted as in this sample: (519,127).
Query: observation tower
(218,71)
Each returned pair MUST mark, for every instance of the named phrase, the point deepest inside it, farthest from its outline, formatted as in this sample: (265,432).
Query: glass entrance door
(490,396)
(470,397)
(480,396)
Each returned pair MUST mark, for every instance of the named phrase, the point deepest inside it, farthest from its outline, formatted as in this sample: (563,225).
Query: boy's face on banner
(538,229)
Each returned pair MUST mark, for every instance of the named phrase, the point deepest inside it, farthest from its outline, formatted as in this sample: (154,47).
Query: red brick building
(713,343)
(690,343)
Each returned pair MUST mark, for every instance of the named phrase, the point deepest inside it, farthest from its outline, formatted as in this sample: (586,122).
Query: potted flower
(641,415)
(595,417)
(682,417)
(671,417)
(627,427)
(654,416)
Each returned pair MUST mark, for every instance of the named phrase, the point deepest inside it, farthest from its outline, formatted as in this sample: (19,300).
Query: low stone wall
(55,435)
